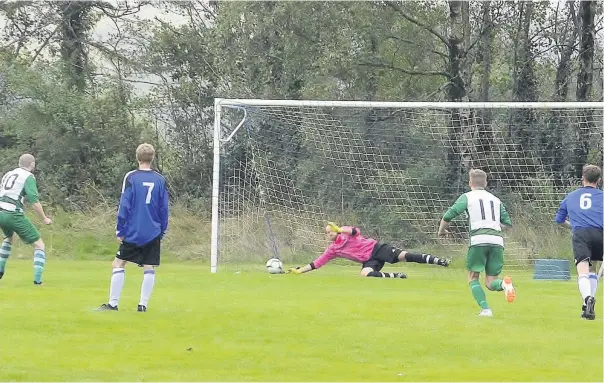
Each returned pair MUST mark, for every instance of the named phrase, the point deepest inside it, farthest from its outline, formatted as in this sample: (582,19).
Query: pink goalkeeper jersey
(354,247)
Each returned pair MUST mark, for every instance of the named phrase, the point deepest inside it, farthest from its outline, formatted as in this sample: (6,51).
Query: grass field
(242,324)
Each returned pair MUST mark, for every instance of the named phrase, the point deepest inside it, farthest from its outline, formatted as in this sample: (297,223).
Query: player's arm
(30,189)
(164,209)
(350,230)
(123,212)
(504,217)
(327,256)
(453,212)
(300,269)
(562,215)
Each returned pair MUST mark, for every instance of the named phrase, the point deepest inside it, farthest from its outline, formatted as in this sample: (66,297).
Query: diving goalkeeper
(347,242)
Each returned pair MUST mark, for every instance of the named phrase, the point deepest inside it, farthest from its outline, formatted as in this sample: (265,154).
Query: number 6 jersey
(583,207)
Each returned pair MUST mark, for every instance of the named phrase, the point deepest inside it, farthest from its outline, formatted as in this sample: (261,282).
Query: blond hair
(145,153)
(591,173)
(26,160)
(478,178)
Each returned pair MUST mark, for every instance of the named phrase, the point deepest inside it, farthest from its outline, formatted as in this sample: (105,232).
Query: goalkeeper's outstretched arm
(332,230)
(327,256)
(300,269)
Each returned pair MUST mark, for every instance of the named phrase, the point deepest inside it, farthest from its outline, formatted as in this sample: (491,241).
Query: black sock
(380,274)
(421,258)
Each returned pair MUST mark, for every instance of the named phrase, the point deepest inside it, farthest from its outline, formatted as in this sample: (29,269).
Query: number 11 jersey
(485,214)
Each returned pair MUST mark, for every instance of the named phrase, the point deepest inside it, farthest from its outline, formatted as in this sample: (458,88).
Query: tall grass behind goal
(282,169)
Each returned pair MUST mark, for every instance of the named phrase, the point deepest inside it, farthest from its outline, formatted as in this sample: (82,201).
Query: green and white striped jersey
(14,187)
(485,214)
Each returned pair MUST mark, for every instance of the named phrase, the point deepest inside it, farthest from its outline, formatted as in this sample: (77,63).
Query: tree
(587,11)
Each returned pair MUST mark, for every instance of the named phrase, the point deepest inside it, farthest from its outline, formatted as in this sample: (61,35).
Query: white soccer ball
(274,266)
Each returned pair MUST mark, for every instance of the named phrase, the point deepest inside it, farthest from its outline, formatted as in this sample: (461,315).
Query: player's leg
(595,244)
(151,258)
(5,249)
(118,276)
(475,264)
(7,243)
(30,235)
(595,273)
(146,287)
(373,267)
(590,304)
(405,256)
(582,255)
(493,267)
(585,289)
(39,260)
(597,250)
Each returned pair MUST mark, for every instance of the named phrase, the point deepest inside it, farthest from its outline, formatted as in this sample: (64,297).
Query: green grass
(242,324)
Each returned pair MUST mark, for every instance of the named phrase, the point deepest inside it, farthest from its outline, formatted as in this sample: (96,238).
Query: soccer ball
(274,266)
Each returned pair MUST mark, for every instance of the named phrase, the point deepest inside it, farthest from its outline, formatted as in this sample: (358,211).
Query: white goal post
(404,160)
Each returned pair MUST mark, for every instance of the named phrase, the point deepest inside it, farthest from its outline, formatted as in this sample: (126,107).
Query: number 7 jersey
(143,211)
(485,214)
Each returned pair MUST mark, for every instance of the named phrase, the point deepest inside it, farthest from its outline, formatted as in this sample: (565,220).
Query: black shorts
(147,254)
(587,245)
(382,253)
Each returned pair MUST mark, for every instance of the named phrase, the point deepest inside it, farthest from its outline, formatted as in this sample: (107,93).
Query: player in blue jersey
(142,220)
(583,212)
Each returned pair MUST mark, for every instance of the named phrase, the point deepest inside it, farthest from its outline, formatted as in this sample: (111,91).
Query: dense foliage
(81,100)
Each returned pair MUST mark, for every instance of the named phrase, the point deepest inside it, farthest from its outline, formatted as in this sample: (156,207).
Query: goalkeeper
(347,242)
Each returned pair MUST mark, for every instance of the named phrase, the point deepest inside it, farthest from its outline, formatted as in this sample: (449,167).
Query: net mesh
(394,172)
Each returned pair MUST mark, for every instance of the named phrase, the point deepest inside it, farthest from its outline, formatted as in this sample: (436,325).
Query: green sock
(497,285)
(39,261)
(4,254)
(478,294)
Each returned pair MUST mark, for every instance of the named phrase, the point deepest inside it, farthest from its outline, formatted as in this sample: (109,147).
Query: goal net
(283,169)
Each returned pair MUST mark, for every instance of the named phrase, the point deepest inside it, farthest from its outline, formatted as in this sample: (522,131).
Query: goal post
(283,168)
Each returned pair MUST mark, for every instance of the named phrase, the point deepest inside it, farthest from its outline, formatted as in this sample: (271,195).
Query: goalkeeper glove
(294,270)
(335,228)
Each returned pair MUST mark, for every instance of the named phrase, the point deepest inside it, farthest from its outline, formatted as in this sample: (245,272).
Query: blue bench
(552,269)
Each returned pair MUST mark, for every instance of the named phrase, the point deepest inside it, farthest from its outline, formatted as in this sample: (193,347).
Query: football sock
(584,286)
(421,258)
(380,274)
(497,285)
(117,283)
(593,279)
(478,294)
(4,254)
(147,286)
(39,262)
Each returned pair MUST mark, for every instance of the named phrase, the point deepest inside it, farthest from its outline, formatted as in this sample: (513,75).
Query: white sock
(584,286)
(593,279)
(147,286)
(117,283)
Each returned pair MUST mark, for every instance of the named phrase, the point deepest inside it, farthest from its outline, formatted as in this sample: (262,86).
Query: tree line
(82,102)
